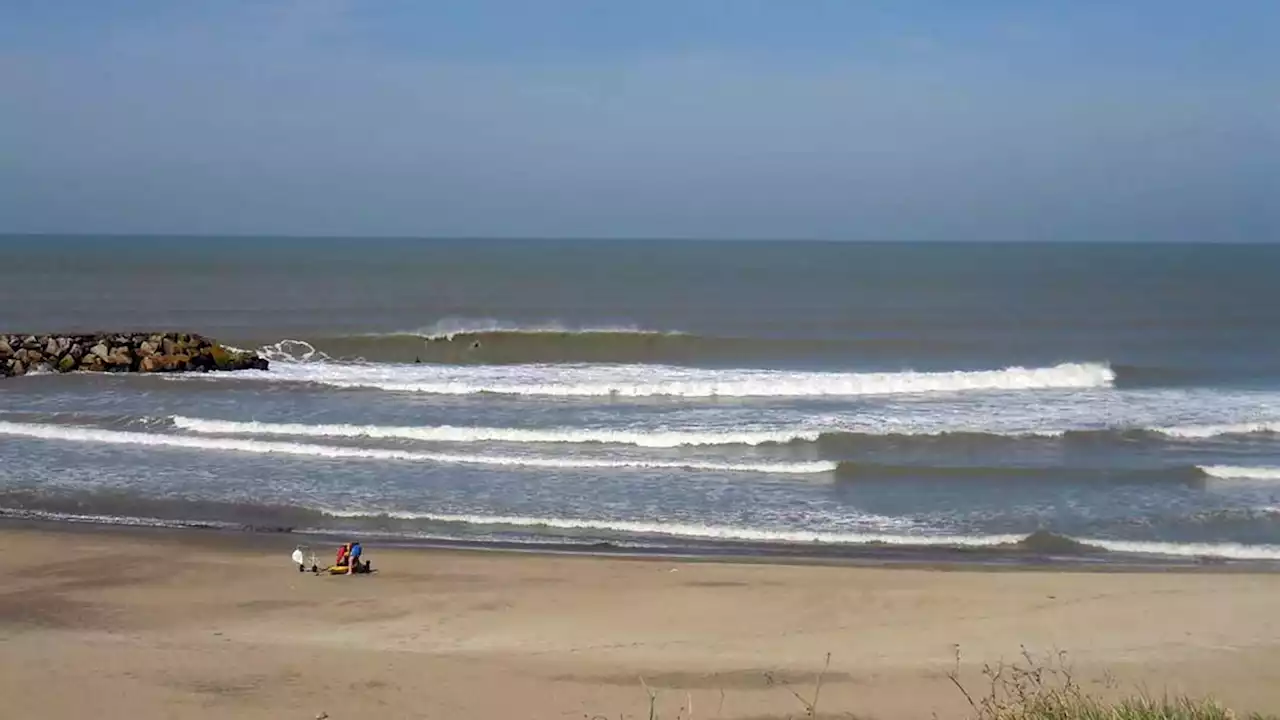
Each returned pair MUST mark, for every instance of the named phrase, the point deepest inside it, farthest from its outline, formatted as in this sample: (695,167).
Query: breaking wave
(453,328)
(457,434)
(1229,550)
(1200,432)
(117,437)
(846,470)
(833,441)
(464,342)
(673,381)
(1237,472)
(498,343)
(210,432)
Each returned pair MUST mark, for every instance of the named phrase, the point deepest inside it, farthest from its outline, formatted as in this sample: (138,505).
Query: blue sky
(940,120)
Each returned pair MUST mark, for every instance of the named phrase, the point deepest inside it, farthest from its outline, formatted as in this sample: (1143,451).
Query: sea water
(664,394)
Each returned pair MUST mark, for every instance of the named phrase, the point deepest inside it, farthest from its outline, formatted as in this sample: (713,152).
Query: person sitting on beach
(356,550)
(344,552)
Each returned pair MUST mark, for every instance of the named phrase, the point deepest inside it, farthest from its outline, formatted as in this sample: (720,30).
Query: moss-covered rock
(221,358)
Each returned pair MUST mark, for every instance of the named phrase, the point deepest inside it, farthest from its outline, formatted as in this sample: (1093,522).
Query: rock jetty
(120,352)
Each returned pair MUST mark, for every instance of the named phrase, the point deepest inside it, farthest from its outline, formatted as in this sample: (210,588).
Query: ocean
(663,395)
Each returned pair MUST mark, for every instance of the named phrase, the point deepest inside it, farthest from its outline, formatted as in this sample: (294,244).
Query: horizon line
(623,238)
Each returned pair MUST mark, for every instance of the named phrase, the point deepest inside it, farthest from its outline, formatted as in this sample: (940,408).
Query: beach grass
(1028,689)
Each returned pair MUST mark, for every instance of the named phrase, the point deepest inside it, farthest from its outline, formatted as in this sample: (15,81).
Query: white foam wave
(292,351)
(640,437)
(1240,472)
(1200,432)
(704,532)
(1232,551)
(115,437)
(456,434)
(659,380)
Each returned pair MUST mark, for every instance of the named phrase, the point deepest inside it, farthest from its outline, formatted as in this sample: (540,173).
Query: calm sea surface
(665,394)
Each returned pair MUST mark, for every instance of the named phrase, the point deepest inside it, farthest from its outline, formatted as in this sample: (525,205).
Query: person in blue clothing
(353,564)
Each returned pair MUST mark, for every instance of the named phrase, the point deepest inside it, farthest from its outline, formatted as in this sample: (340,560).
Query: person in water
(355,552)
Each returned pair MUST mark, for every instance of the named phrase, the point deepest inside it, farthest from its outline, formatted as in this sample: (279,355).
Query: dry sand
(143,625)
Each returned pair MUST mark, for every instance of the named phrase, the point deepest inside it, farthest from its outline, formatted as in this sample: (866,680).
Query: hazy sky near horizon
(843,119)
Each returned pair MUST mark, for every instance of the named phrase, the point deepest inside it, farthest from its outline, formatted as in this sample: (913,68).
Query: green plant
(1047,689)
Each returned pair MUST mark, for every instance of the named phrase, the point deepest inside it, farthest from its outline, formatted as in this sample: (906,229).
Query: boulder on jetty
(120,352)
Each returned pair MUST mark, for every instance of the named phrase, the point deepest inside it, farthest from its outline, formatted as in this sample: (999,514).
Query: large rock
(121,352)
(120,358)
(17,368)
(174,363)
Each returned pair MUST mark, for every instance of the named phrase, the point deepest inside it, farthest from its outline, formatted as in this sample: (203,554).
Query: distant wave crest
(465,341)
(453,328)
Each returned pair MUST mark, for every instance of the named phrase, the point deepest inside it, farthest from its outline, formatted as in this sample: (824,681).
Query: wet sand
(193,624)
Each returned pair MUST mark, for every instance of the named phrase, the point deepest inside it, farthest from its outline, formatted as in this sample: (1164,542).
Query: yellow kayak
(361,568)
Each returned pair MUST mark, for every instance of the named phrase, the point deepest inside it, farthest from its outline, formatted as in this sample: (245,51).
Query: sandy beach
(190,624)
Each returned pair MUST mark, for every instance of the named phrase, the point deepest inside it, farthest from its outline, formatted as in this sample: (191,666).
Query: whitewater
(666,437)
(656,381)
(114,437)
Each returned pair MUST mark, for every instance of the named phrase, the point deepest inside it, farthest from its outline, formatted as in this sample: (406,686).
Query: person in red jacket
(343,551)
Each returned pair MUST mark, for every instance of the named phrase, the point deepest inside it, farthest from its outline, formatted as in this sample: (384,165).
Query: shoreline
(887,556)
